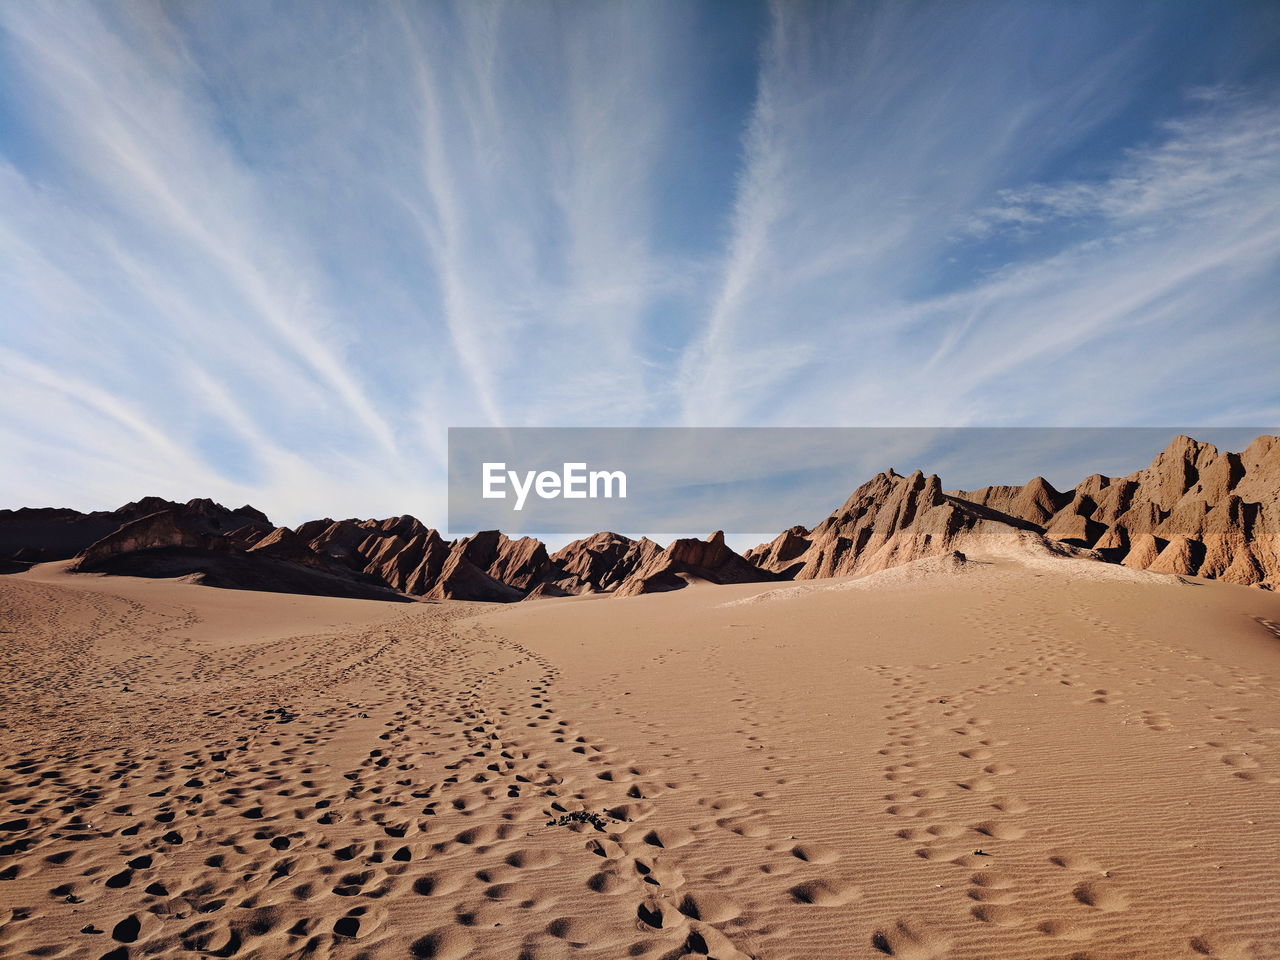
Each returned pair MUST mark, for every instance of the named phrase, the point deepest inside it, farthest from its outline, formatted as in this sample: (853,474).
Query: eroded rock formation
(1193,511)
(688,561)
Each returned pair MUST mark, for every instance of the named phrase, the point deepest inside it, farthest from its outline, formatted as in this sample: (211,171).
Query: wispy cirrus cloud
(898,255)
(1221,158)
(145,260)
(270,254)
(122,94)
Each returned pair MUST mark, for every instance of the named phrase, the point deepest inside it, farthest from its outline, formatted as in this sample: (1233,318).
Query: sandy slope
(973,760)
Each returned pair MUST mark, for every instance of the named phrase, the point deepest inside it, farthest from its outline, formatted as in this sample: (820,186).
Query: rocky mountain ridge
(1193,511)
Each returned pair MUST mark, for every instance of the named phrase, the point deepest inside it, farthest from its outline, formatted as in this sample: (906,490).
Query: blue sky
(270,252)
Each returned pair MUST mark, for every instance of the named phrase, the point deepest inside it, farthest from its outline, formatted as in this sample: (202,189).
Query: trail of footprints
(969,818)
(1239,753)
(1242,748)
(230,822)
(227,822)
(972,820)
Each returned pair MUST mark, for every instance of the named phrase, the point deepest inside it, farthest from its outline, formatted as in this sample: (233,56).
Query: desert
(639,480)
(993,743)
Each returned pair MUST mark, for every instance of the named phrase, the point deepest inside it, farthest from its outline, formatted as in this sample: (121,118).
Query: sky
(270,253)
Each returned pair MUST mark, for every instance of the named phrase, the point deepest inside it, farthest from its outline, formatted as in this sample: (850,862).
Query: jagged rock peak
(690,560)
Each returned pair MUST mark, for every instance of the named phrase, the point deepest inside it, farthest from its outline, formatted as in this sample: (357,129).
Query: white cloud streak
(873,156)
(274,264)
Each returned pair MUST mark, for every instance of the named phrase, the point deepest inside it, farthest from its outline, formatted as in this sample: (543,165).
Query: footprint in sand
(814,853)
(998,830)
(710,907)
(531,859)
(447,943)
(656,914)
(1241,761)
(929,793)
(985,895)
(609,884)
(360,922)
(911,940)
(1076,862)
(669,837)
(997,914)
(1064,929)
(1101,896)
(1219,947)
(1010,805)
(744,828)
(991,880)
(825,893)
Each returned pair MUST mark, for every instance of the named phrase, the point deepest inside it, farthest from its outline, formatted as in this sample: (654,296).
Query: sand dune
(964,760)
